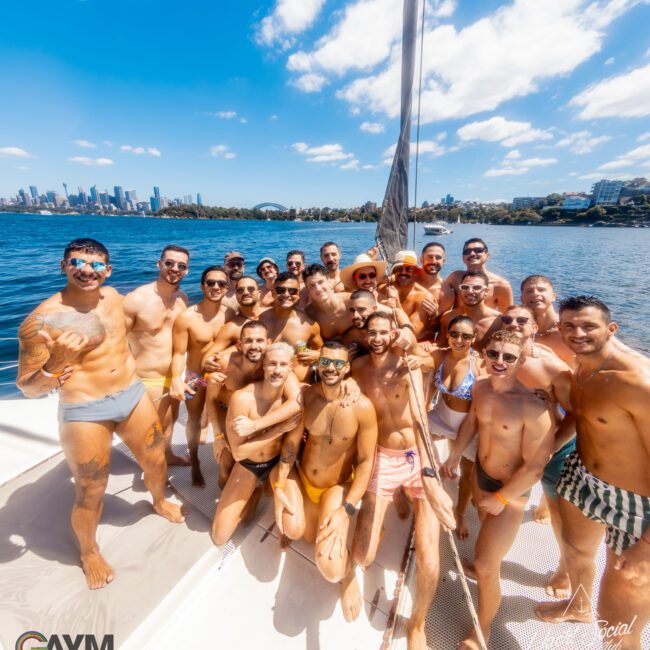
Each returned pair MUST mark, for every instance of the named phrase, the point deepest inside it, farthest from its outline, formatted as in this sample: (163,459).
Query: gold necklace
(594,373)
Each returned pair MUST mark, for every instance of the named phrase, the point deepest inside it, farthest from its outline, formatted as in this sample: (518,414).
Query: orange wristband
(501,498)
(279,486)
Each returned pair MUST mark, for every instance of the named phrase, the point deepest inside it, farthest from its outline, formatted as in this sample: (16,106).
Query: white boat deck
(174,589)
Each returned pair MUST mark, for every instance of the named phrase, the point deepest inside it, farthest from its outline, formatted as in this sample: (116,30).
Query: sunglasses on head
(506,356)
(222,284)
(170,264)
(478,250)
(366,276)
(246,289)
(508,320)
(463,335)
(323,362)
(292,291)
(476,288)
(78,263)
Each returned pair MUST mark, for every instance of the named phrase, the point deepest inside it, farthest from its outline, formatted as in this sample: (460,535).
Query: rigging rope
(417,137)
(424,435)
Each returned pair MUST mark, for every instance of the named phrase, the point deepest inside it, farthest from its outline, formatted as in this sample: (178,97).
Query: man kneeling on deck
(515,441)
(318,498)
(256,453)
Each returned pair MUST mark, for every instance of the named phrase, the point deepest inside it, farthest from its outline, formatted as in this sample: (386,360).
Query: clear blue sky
(296,101)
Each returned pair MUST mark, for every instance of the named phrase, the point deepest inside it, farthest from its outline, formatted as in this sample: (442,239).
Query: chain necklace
(331,423)
(553,327)
(594,373)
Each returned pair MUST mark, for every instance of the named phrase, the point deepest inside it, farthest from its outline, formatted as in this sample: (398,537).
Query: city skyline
(297,102)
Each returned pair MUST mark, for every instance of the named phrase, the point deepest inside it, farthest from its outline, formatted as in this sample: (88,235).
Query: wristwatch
(349,508)
(428,472)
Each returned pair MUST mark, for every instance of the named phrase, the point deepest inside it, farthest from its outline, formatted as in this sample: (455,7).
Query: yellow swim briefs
(156,382)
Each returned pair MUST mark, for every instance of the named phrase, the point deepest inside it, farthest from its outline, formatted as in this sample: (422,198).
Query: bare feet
(402,504)
(470,570)
(559,585)
(470,643)
(250,509)
(541,514)
(351,600)
(98,572)
(170,511)
(174,459)
(462,531)
(417,638)
(197,476)
(285,542)
(563,611)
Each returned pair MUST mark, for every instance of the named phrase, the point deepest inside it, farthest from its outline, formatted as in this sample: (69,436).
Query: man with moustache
(287,323)
(330,255)
(433,259)
(233,263)
(267,270)
(515,441)
(317,499)
(386,381)
(195,331)
(364,273)
(544,370)
(75,341)
(257,454)
(150,311)
(605,485)
(327,308)
(472,292)
(295,264)
(475,256)
(237,369)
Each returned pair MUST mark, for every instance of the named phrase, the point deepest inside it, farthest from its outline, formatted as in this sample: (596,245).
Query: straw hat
(361,261)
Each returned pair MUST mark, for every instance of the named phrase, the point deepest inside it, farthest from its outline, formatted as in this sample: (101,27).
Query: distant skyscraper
(119,196)
(131,195)
(83,197)
(33,191)
(199,200)
(26,198)
(155,203)
(156,192)
(94,196)
(104,199)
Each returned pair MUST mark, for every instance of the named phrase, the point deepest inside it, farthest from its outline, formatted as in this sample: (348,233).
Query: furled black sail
(392,230)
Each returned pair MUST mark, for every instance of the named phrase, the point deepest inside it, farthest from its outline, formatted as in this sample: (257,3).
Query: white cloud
(610,61)
(222,151)
(426,146)
(498,129)
(243,120)
(225,115)
(537,162)
(582,142)
(372,127)
(513,155)
(310,83)
(513,165)
(84,160)
(288,17)
(599,176)
(630,159)
(326,153)
(140,151)
(370,166)
(643,137)
(108,143)
(444,8)
(509,53)
(272,118)
(15,152)
(85,144)
(352,164)
(626,95)
(506,171)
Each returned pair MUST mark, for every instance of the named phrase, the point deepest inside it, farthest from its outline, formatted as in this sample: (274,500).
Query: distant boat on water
(437,228)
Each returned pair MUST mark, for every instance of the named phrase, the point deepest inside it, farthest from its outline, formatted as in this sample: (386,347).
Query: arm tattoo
(288,456)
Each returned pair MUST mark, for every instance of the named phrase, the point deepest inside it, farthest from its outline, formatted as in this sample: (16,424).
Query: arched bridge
(277,206)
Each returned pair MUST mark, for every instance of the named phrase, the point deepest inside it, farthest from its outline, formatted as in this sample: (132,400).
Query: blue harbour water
(607,262)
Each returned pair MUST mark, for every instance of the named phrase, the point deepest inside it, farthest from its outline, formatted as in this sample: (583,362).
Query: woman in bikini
(457,368)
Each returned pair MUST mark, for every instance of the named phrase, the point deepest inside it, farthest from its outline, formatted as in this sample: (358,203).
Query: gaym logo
(36,641)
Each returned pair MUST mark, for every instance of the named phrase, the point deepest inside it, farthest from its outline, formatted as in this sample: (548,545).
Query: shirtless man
(295,264)
(330,256)
(150,311)
(195,331)
(472,291)
(327,308)
(433,259)
(317,499)
(544,370)
(538,295)
(475,256)
(76,342)
(247,294)
(267,270)
(291,325)
(406,294)
(515,441)
(385,380)
(605,486)
(258,453)
(238,369)
(233,263)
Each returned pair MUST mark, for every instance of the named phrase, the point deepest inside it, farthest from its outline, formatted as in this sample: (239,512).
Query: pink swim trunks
(395,468)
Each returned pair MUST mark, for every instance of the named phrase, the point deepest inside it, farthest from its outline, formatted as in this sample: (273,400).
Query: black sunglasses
(170,264)
(478,250)
(506,356)
(222,284)
(463,335)
(323,362)
(364,276)
(292,291)
(246,289)
(508,320)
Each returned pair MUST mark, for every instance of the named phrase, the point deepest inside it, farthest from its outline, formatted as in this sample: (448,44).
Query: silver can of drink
(301,346)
